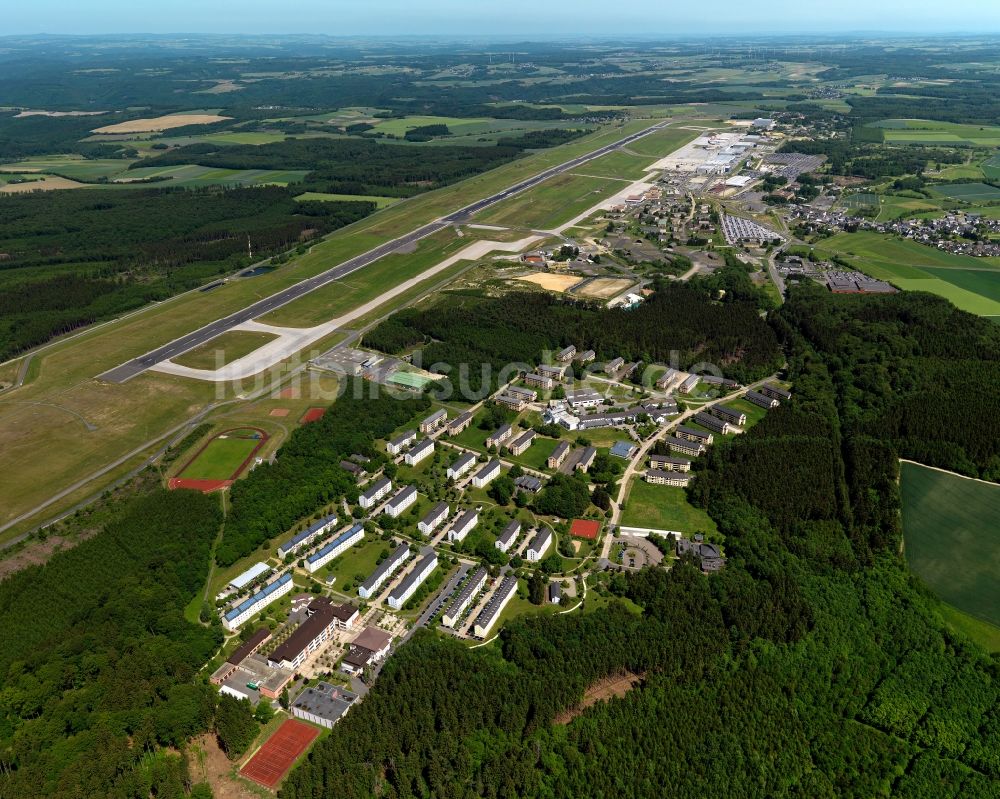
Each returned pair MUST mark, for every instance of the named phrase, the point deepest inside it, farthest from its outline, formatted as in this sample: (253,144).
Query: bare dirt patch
(601,691)
(37,552)
(279,412)
(47,183)
(604,287)
(211,765)
(550,281)
(59,114)
(161,123)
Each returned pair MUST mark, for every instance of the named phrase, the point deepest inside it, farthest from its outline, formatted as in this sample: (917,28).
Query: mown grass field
(380,202)
(972,284)
(952,538)
(553,202)
(48,449)
(222,456)
(663,508)
(225,349)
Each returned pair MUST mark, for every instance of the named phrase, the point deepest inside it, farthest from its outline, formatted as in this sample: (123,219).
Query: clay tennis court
(584,528)
(312,415)
(275,757)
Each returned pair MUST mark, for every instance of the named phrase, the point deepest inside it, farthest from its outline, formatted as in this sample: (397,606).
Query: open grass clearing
(551,203)
(663,508)
(224,349)
(380,202)
(952,538)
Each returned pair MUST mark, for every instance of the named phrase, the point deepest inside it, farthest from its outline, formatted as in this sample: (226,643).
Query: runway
(136,366)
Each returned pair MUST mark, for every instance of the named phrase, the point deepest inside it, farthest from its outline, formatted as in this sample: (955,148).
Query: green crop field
(969,192)
(192,175)
(223,455)
(224,349)
(991,167)
(924,131)
(380,202)
(74,167)
(663,508)
(952,538)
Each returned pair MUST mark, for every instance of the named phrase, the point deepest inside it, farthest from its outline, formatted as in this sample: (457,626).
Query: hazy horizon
(558,19)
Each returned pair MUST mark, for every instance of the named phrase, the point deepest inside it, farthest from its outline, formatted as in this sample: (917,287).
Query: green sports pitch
(223,456)
(952,538)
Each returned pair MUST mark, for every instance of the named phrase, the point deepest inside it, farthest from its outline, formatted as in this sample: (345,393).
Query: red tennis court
(312,415)
(270,763)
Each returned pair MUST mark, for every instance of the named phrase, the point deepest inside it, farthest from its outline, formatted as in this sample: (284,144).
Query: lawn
(535,456)
(380,202)
(358,561)
(553,202)
(222,456)
(225,349)
(663,508)
(754,412)
(952,538)
(663,142)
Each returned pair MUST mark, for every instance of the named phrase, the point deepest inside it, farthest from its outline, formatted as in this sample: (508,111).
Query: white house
(461,465)
(463,525)
(487,474)
(538,545)
(375,493)
(509,535)
(325,554)
(404,498)
(435,516)
(401,442)
(419,452)
(256,603)
(409,584)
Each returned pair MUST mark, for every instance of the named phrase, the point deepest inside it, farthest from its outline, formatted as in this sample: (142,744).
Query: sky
(558,19)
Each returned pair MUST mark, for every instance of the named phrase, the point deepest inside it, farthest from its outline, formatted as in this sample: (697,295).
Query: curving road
(137,366)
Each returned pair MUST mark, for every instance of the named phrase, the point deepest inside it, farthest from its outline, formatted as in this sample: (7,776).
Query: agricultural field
(969,192)
(74,167)
(225,349)
(165,122)
(972,284)
(991,167)
(551,282)
(951,538)
(663,508)
(923,131)
(223,456)
(192,175)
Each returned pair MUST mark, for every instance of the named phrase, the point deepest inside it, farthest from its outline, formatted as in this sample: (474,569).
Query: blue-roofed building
(308,536)
(248,608)
(325,554)
(623,449)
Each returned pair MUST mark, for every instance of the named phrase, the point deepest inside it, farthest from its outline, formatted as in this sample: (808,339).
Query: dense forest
(71,258)
(98,662)
(813,666)
(306,475)
(517,328)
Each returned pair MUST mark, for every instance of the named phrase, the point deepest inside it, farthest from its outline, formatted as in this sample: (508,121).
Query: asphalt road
(178,346)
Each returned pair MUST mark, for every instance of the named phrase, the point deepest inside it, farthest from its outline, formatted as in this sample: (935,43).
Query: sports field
(969,192)
(272,761)
(952,538)
(663,508)
(223,456)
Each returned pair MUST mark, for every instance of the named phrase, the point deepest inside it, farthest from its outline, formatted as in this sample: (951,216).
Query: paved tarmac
(203,335)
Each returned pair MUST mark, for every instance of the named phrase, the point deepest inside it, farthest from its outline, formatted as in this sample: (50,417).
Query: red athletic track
(198,484)
(206,486)
(275,757)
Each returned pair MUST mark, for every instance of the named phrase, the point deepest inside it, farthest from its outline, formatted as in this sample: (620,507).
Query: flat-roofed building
(544,382)
(623,449)
(463,525)
(459,423)
(566,354)
(583,398)
(401,442)
(521,443)
(508,535)
(684,446)
(306,537)
(664,478)
(336,547)
(713,423)
(249,607)
(498,436)
(437,419)
(761,400)
(412,581)
(463,598)
(540,543)
(692,434)
(241,581)
(435,517)
(370,587)
(419,451)
(491,612)
(669,464)
(558,455)
(403,499)
(376,491)
(323,704)
(489,472)
(586,459)
(460,465)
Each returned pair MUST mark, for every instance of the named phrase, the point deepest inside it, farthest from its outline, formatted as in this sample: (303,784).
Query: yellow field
(161,123)
(551,282)
(48,183)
